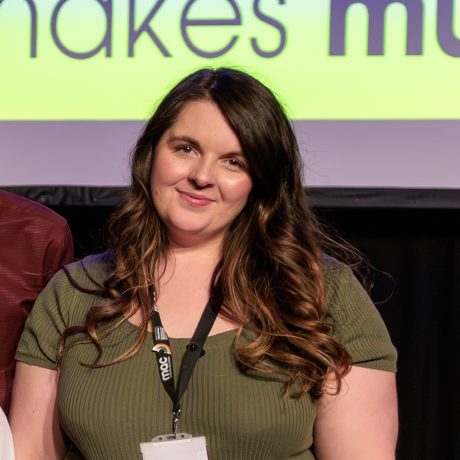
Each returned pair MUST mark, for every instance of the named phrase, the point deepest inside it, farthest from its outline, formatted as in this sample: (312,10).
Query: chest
(107,412)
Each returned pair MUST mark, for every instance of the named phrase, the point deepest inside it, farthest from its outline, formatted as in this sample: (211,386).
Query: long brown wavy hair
(269,274)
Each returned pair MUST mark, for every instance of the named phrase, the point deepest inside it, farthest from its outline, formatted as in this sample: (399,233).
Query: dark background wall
(416,258)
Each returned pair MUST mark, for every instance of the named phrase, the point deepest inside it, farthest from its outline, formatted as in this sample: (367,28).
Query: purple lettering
(446,38)
(376,10)
(106,41)
(277,25)
(186,22)
(134,34)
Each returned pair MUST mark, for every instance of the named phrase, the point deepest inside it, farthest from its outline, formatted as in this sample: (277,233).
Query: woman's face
(200,179)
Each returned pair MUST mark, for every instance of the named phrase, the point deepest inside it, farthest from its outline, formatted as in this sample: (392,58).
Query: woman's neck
(189,266)
(203,257)
(183,288)
(194,244)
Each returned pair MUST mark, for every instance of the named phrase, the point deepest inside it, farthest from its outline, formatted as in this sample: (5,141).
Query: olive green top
(107,412)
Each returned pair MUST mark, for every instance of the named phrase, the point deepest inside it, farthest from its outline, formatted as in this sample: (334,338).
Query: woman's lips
(194,199)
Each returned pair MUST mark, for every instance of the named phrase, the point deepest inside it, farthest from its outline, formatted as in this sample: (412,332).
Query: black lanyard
(163,354)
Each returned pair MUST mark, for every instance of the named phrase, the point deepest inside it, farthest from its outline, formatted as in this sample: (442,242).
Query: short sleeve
(357,325)
(42,332)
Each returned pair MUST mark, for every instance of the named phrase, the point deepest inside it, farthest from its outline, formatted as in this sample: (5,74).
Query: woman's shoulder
(91,271)
(64,302)
(83,278)
(333,269)
(356,322)
(342,286)
(76,285)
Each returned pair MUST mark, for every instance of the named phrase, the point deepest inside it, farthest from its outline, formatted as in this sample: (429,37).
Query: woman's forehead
(203,123)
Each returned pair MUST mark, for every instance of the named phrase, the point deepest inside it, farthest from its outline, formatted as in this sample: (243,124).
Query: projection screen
(372,87)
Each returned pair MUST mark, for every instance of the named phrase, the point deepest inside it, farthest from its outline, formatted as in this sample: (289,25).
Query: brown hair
(269,274)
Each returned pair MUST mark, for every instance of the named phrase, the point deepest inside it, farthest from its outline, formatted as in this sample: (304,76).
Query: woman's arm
(33,416)
(361,422)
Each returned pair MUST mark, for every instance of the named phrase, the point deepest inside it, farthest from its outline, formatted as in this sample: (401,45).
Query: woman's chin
(193,235)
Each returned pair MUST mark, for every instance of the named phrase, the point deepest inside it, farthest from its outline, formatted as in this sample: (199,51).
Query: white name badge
(170,447)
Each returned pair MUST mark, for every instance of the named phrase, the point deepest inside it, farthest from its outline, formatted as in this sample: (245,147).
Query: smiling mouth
(193,199)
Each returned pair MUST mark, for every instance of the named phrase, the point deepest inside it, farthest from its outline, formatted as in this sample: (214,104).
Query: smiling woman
(200,180)
(217,263)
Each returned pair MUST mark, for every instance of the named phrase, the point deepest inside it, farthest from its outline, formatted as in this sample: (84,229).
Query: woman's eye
(184,148)
(235,164)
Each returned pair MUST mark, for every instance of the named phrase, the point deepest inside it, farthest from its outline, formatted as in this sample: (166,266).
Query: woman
(297,363)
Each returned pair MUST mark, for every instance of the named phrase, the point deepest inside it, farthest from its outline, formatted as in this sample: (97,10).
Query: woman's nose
(202,173)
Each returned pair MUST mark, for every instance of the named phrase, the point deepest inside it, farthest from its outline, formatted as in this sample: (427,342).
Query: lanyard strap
(163,353)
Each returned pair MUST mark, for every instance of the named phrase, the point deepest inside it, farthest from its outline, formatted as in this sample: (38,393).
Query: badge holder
(181,446)
(178,446)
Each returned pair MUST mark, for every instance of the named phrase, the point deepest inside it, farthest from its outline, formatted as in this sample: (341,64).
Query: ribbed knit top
(107,412)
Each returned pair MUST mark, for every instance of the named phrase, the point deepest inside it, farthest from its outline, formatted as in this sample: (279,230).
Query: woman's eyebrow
(195,144)
(234,154)
(189,140)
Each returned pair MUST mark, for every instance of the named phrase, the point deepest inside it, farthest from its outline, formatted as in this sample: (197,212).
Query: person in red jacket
(35,242)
